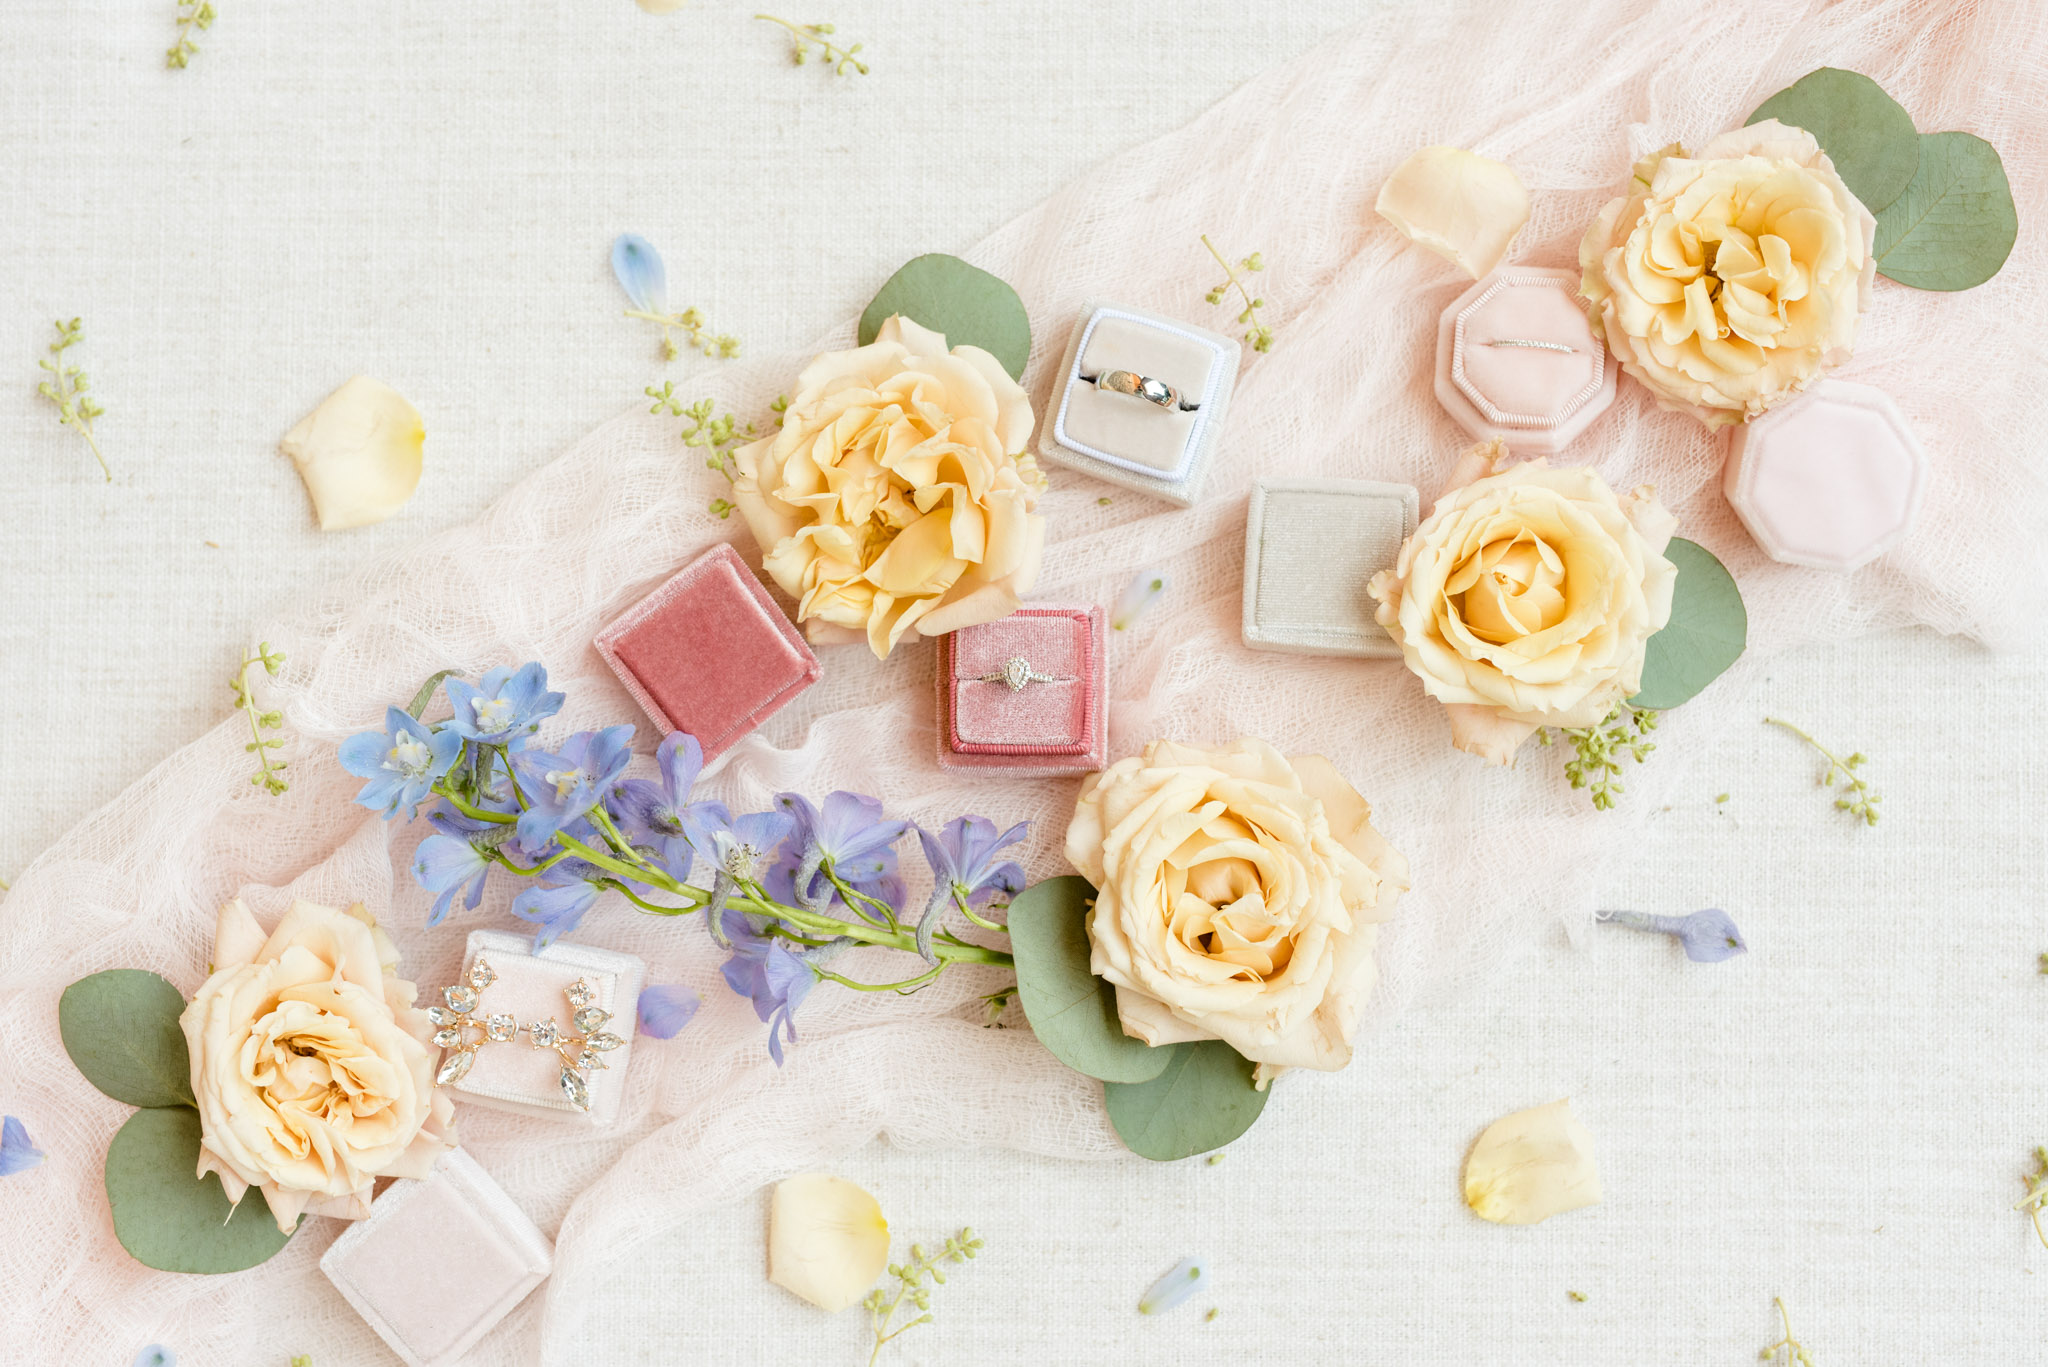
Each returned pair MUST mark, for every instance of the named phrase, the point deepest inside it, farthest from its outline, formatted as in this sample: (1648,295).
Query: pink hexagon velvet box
(1830,480)
(1054,721)
(1516,360)
(709,652)
(432,1313)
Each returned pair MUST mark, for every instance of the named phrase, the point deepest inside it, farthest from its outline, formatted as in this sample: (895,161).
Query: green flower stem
(843,59)
(1257,333)
(908,984)
(67,388)
(1858,798)
(269,773)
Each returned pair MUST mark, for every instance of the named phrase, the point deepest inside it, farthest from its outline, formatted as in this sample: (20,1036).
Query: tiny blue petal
(640,272)
(665,1010)
(17,1154)
(1188,1276)
(156,1355)
(1710,936)
(1141,594)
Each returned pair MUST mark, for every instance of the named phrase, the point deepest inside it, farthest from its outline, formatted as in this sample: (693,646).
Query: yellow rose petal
(1532,1165)
(827,1240)
(359,453)
(1464,207)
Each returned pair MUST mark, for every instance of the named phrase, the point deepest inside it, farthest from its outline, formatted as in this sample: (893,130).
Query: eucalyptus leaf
(1072,1011)
(1706,633)
(1866,133)
(972,307)
(121,1029)
(425,697)
(1955,224)
(1200,1101)
(168,1218)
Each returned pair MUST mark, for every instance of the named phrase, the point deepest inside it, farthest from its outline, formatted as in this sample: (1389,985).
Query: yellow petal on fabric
(1532,1165)
(827,1240)
(1464,207)
(359,453)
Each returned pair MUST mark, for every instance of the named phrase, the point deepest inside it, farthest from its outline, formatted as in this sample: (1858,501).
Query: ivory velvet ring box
(709,652)
(1310,548)
(1026,693)
(533,997)
(1516,359)
(1162,445)
(490,1257)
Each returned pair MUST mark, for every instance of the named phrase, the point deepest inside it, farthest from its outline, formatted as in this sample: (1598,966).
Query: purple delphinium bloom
(765,971)
(964,869)
(652,812)
(850,834)
(401,762)
(565,784)
(17,1154)
(665,1010)
(505,706)
(447,865)
(1708,936)
(735,847)
(556,903)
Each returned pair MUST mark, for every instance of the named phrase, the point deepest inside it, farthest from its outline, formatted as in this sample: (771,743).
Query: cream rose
(1729,281)
(1238,896)
(310,1065)
(899,494)
(1527,597)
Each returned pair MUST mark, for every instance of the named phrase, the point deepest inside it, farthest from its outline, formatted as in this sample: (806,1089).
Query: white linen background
(1840,1116)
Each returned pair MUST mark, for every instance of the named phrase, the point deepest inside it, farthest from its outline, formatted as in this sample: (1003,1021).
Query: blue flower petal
(665,1010)
(156,1355)
(1186,1277)
(640,272)
(17,1154)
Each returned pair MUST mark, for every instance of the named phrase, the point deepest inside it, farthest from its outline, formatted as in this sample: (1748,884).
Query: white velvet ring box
(1164,452)
(514,1075)
(1310,548)
(437,1263)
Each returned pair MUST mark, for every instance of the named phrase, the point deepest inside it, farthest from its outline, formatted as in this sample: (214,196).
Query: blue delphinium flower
(850,834)
(400,763)
(641,273)
(557,903)
(17,1154)
(665,1010)
(565,784)
(1708,936)
(735,847)
(965,870)
(505,706)
(766,971)
(651,812)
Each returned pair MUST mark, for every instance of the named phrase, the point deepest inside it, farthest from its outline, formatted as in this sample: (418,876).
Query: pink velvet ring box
(1517,360)
(437,1263)
(1054,723)
(709,652)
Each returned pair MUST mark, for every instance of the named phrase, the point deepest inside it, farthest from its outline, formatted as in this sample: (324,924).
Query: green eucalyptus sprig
(269,769)
(1597,750)
(67,387)
(192,14)
(1857,797)
(910,1285)
(717,437)
(697,334)
(1792,1349)
(805,36)
(2036,1198)
(1257,334)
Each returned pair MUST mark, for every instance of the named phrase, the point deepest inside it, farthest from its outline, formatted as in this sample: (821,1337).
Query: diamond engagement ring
(1140,387)
(1017,672)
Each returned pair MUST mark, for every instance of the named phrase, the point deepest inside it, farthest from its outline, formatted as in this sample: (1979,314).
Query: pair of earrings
(581,1049)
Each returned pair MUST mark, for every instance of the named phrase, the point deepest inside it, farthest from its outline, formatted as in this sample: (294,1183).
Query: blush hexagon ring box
(1517,360)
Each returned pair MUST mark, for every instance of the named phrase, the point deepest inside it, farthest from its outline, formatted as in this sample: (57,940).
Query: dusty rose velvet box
(1057,724)
(437,1263)
(709,652)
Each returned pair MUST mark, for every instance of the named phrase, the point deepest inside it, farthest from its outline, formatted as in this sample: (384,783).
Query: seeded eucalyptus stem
(626,863)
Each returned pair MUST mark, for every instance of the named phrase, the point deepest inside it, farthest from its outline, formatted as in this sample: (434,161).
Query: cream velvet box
(1310,548)
(514,1075)
(437,1263)
(1126,440)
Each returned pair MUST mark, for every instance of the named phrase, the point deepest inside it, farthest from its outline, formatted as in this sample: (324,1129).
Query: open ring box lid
(1055,727)
(1164,452)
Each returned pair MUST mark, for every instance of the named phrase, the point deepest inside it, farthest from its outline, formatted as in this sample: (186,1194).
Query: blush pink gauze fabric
(1567,93)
